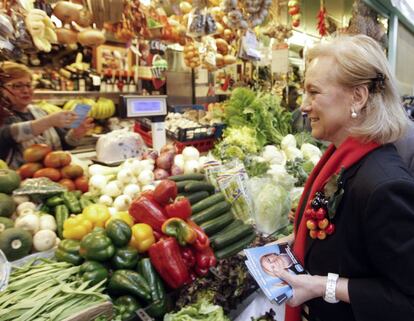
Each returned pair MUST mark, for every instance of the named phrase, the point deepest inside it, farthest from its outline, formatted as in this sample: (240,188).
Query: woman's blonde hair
(360,60)
(12,70)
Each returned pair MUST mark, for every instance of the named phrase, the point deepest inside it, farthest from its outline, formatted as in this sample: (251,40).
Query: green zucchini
(235,224)
(230,237)
(199,186)
(197,196)
(235,247)
(187,177)
(208,202)
(211,212)
(181,185)
(218,223)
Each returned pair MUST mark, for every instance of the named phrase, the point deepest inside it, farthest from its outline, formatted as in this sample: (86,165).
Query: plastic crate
(202,145)
(144,132)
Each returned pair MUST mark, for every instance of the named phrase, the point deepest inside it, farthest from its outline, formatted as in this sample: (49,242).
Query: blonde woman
(354,226)
(23,124)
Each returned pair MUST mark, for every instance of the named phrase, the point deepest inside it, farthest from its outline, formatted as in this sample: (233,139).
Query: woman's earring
(353,114)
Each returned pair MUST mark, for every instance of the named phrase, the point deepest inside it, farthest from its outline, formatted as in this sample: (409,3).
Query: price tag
(143,315)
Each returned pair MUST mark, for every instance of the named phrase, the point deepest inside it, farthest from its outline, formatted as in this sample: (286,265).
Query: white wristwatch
(330,289)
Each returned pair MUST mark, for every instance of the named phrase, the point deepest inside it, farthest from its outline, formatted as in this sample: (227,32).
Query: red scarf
(348,153)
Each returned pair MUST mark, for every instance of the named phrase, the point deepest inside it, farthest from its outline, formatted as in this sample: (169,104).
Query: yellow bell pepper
(142,237)
(76,227)
(98,214)
(124,216)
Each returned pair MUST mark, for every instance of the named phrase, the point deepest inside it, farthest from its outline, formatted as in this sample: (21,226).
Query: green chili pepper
(54,201)
(71,201)
(61,214)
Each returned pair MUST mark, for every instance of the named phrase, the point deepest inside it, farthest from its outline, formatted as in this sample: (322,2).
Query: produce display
(167,227)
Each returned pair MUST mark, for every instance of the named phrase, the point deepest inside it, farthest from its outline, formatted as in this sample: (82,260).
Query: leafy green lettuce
(200,311)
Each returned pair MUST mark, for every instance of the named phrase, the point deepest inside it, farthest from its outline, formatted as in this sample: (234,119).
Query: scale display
(143,106)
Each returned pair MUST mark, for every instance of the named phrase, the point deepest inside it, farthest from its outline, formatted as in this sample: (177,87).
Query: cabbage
(309,151)
(281,177)
(295,195)
(288,141)
(274,155)
(271,204)
(292,153)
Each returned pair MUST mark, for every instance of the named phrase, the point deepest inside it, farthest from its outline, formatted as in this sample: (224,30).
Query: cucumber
(181,185)
(187,177)
(208,202)
(235,224)
(218,223)
(211,212)
(199,186)
(225,239)
(197,196)
(235,247)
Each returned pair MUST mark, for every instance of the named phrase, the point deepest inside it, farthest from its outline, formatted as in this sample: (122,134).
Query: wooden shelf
(60,97)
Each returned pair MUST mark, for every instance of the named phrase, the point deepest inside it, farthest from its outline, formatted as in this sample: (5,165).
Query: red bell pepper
(148,194)
(165,192)
(188,256)
(144,210)
(202,241)
(205,258)
(181,208)
(166,258)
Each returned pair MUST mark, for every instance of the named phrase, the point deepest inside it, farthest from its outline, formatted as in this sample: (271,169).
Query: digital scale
(152,107)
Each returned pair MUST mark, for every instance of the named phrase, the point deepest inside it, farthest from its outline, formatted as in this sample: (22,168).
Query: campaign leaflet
(265,262)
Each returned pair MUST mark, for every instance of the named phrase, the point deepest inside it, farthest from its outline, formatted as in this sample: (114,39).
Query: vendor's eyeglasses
(20,86)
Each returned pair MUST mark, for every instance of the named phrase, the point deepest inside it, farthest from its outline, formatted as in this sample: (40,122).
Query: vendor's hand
(305,287)
(84,127)
(62,119)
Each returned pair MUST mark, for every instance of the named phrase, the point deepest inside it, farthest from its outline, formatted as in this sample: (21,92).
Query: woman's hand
(61,119)
(305,287)
(83,128)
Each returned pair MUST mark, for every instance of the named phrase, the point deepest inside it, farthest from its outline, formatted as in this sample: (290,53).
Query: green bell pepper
(159,304)
(68,251)
(125,307)
(125,258)
(96,246)
(93,271)
(129,282)
(119,232)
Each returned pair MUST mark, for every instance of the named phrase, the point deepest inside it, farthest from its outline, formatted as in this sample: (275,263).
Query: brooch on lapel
(322,210)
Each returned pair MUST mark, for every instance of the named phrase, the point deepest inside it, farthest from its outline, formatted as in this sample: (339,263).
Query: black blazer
(373,244)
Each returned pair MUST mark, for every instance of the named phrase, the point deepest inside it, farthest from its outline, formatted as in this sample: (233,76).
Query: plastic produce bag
(272,204)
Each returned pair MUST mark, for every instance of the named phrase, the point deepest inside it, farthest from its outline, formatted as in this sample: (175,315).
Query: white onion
(191,153)
(105,200)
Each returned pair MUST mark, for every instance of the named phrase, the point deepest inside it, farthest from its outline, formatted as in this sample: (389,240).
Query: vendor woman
(23,124)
